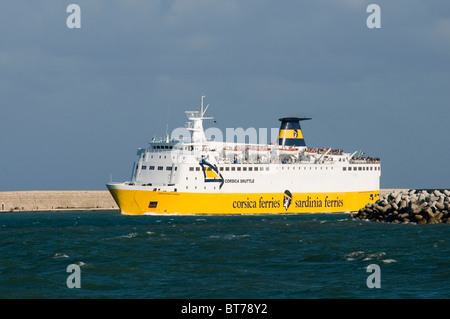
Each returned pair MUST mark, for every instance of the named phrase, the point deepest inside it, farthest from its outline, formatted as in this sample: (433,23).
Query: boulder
(421,207)
(437,193)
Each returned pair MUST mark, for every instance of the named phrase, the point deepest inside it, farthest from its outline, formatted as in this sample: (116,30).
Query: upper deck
(173,161)
(238,153)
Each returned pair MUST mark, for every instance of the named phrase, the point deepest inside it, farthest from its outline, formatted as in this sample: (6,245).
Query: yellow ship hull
(140,202)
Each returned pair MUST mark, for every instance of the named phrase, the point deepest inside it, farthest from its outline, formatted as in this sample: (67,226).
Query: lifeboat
(233,153)
(254,152)
(288,151)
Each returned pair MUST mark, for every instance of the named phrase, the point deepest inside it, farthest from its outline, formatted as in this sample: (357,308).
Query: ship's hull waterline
(141,202)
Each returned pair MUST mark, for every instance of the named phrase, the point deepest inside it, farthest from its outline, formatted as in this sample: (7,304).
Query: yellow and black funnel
(290,131)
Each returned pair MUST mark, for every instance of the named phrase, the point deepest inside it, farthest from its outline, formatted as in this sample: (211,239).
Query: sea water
(257,256)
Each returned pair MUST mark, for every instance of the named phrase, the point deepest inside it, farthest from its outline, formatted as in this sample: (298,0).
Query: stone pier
(33,201)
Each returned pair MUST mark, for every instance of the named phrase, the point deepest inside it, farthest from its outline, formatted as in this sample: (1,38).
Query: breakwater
(35,201)
(423,206)
(409,206)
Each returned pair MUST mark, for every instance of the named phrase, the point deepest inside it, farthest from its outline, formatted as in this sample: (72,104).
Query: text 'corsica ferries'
(210,177)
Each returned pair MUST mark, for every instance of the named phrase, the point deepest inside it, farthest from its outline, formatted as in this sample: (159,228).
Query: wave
(161,214)
(60,255)
(147,234)
(365,256)
(130,235)
(229,236)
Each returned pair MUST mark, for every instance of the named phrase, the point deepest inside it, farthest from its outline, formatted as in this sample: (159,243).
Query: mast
(196,126)
(204,111)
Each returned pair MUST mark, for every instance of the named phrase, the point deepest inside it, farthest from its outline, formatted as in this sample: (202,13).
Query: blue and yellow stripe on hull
(140,202)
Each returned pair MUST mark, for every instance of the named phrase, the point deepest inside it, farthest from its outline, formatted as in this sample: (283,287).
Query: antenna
(167,127)
(201,106)
(203,111)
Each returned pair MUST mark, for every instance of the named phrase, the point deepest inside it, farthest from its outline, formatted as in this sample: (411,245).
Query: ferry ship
(199,176)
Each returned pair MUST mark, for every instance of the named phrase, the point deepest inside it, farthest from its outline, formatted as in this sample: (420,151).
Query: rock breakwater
(409,206)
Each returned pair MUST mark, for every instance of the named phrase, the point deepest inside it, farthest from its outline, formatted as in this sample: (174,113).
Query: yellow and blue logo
(211,173)
(290,132)
(287,200)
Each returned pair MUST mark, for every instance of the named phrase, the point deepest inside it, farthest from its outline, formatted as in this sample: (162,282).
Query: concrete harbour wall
(32,201)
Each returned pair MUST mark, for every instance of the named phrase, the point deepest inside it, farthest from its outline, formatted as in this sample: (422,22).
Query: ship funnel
(290,131)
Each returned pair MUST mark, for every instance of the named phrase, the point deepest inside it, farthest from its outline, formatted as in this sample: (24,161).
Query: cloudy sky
(75,104)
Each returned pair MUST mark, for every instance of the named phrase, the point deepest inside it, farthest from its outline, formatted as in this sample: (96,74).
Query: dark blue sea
(300,256)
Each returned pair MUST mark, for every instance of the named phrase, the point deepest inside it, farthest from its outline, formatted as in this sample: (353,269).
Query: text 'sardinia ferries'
(209,177)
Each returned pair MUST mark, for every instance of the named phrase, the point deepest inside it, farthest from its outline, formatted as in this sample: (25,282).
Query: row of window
(256,168)
(160,168)
(233,168)
(244,168)
(162,147)
(195,187)
(361,168)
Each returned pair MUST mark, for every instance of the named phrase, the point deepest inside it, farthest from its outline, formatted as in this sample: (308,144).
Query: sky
(76,103)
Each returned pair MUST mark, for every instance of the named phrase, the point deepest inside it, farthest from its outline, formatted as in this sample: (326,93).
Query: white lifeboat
(285,152)
(255,152)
